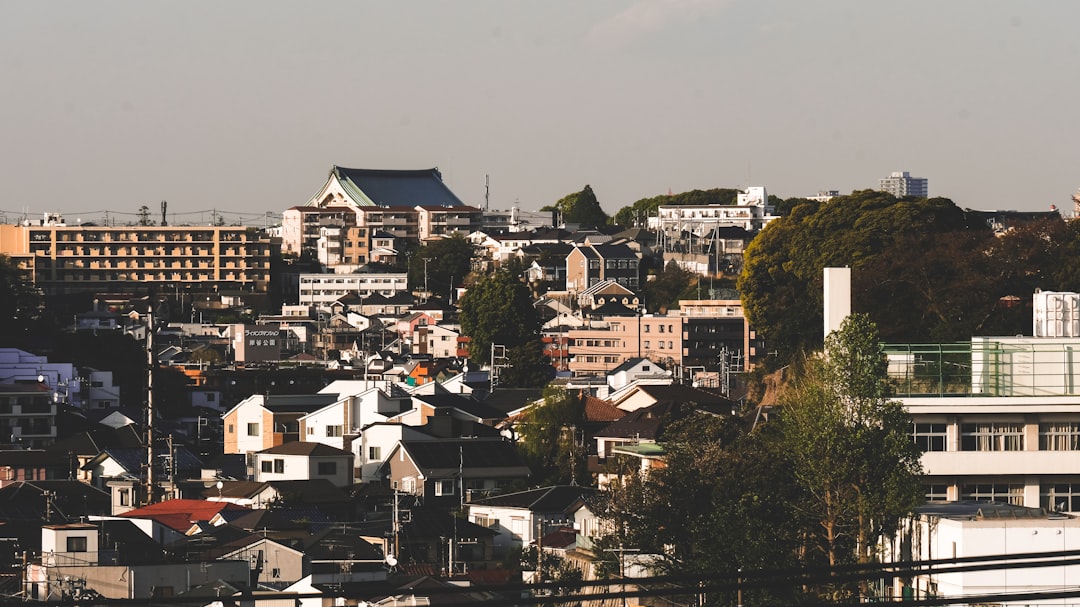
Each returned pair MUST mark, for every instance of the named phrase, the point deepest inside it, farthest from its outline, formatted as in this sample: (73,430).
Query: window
(125,497)
(929,437)
(1059,436)
(267,465)
(374,454)
(253,429)
(76,544)
(647,345)
(279,466)
(992,436)
(444,487)
(936,493)
(661,328)
(1001,492)
(327,468)
(647,328)
(1060,497)
(408,484)
(485,521)
(333,431)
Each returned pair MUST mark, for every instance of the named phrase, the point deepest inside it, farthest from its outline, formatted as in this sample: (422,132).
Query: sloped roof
(612,308)
(461,403)
(179,514)
(598,410)
(553,499)
(297,403)
(396,188)
(132,460)
(311,491)
(305,448)
(472,454)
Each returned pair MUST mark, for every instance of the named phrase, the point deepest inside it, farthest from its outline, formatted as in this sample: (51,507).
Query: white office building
(321,290)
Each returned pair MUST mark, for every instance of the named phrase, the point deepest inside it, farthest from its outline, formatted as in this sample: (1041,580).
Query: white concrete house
(304,461)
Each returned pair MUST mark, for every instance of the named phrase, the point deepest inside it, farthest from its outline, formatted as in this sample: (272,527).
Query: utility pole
(426,260)
(149,408)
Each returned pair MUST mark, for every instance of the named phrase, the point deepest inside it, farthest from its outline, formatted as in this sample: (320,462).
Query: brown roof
(597,410)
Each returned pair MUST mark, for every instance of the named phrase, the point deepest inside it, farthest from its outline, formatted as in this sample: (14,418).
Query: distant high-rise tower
(901,183)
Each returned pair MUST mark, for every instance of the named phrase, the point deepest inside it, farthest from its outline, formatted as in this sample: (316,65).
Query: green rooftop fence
(986,366)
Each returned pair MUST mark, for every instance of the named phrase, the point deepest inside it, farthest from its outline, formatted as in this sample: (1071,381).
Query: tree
(144,216)
(668,287)
(637,213)
(21,303)
(448,262)
(850,449)
(781,283)
(722,501)
(581,208)
(498,309)
(547,438)
(528,367)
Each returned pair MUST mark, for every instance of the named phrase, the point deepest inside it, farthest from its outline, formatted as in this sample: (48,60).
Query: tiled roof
(597,410)
(179,514)
(461,403)
(391,188)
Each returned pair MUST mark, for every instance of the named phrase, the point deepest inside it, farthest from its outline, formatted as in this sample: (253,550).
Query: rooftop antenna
(164,208)
(487,191)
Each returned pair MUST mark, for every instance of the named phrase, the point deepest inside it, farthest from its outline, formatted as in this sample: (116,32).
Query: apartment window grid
(930,436)
(992,436)
(1060,497)
(1059,436)
(996,492)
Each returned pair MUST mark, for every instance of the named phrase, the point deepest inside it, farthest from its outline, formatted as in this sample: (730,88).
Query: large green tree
(781,283)
(444,262)
(850,450)
(548,435)
(722,502)
(497,309)
(581,208)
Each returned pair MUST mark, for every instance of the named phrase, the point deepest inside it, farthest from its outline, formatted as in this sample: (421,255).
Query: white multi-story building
(901,183)
(321,290)
(999,418)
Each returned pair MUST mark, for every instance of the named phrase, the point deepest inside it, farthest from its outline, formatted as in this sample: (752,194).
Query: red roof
(179,514)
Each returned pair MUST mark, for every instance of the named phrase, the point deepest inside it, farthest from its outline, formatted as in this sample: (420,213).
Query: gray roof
(556,498)
(388,188)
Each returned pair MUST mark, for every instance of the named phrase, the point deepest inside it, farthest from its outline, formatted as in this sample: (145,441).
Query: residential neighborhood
(392,394)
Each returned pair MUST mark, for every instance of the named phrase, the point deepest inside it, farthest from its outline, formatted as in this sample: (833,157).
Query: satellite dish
(41,379)
(391,560)
(219,485)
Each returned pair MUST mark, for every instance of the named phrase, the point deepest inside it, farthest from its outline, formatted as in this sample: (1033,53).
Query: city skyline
(245,107)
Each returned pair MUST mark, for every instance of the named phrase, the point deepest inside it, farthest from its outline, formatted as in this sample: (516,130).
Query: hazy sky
(244,106)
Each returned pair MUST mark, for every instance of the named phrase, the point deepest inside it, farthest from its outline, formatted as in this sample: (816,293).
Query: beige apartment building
(70,259)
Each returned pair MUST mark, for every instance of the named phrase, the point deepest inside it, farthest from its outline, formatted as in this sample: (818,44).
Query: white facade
(321,290)
(286,467)
(901,183)
(1005,428)
(1003,535)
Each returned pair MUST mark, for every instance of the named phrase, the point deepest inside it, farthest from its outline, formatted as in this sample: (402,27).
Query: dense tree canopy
(781,283)
(669,286)
(818,487)
(636,213)
(447,259)
(498,309)
(548,439)
(581,208)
